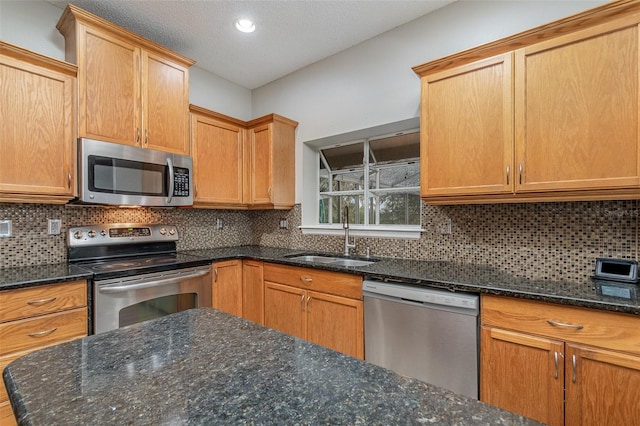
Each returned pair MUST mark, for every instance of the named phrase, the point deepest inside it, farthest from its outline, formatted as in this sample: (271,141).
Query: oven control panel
(120,233)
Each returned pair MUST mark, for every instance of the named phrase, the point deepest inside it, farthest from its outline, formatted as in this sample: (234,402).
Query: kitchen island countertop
(203,366)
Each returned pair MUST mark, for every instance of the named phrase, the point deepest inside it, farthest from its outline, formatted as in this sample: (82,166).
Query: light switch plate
(5,228)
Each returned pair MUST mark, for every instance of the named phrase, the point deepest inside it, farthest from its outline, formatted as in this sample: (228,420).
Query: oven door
(119,302)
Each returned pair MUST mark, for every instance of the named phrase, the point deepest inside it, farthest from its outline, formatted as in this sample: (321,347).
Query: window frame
(362,230)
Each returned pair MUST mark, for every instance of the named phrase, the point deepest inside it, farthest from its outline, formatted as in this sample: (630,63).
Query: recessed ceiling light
(245,25)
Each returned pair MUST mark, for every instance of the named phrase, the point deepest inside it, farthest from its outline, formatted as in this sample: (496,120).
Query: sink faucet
(345,224)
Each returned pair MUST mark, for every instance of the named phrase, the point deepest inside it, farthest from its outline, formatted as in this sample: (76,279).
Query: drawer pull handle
(43,333)
(41,301)
(306,279)
(564,324)
(574,362)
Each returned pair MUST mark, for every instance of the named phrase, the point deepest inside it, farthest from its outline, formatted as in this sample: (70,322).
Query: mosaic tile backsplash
(558,241)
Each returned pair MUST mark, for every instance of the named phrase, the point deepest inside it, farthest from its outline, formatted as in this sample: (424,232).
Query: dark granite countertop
(27,276)
(203,366)
(450,275)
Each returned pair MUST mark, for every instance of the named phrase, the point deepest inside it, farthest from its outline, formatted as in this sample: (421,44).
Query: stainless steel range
(138,274)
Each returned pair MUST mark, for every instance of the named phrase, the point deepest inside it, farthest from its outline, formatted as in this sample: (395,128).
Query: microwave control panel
(181,180)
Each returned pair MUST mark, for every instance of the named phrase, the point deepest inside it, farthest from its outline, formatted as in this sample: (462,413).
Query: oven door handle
(119,288)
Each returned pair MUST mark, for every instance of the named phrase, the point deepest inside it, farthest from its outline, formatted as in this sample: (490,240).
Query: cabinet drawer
(312,279)
(43,330)
(40,300)
(580,325)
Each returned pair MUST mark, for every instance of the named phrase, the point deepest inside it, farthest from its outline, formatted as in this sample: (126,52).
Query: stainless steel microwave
(110,173)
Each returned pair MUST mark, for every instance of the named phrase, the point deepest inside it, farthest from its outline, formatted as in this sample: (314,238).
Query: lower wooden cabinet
(227,286)
(36,317)
(252,291)
(560,365)
(303,302)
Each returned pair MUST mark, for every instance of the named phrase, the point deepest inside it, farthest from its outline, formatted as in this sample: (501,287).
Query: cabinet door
(165,104)
(109,88)
(284,309)
(577,111)
(252,291)
(260,173)
(217,161)
(37,130)
(467,129)
(227,286)
(336,323)
(601,387)
(523,374)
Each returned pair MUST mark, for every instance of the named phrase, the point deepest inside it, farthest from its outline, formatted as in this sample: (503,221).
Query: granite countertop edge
(455,277)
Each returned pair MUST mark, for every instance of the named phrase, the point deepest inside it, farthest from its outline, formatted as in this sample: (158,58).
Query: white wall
(372,83)
(32,24)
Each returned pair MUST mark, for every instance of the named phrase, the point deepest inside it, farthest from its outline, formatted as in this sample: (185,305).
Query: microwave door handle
(171,180)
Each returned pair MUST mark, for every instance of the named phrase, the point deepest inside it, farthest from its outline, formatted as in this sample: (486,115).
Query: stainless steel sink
(331,260)
(315,259)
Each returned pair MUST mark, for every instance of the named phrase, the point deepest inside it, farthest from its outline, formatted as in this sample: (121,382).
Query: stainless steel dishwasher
(425,333)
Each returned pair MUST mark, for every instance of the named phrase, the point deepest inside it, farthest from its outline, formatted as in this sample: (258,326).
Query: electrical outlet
(219,224)
(5,228)
(54,226)
(445,228)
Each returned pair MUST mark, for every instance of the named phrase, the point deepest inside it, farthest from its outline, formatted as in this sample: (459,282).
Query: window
(377,179)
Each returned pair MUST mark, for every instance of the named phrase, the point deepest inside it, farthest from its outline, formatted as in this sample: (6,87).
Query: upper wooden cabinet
(217,144)
(270,163)
(242,165)
(467,129)
(577,110)
(551,114)
(37,127)
(131,91)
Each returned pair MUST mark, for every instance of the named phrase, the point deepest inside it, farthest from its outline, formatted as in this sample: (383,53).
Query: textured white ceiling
(290,34)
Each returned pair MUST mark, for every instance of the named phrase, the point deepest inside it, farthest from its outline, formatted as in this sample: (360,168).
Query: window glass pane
(324,180)
(345,156)
(355,203)
(395,209)
(396,148)
(401,176)
(324,214)
(353,181)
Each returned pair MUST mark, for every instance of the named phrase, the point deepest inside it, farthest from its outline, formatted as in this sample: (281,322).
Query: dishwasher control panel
(422,295)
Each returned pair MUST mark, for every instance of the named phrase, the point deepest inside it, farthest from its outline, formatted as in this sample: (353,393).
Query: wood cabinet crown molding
(73,13)
(589,18)
(34,58)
